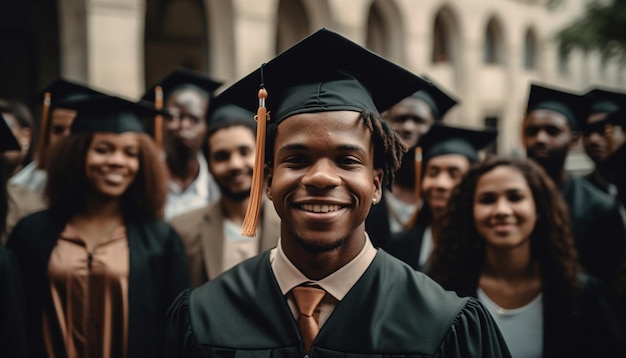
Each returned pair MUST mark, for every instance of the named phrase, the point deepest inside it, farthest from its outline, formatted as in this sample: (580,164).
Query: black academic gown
(595,178)
(407,245)
(12,326)
(597,228)
(377,223)
(391,311)
(158,273)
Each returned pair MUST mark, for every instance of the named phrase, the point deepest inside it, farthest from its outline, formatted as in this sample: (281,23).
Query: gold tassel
(43,140)
(253,211)
(418,186)
(158,120)
(608,135)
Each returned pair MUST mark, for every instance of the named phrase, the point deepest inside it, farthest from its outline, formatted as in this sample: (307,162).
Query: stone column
(115,38)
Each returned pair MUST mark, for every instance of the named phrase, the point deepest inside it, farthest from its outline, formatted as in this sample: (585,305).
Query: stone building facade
(485,52)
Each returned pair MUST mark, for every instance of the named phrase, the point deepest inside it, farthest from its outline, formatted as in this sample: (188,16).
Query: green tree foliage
(601,27)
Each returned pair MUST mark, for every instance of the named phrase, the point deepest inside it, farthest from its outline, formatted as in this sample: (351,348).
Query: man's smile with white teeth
(318,208)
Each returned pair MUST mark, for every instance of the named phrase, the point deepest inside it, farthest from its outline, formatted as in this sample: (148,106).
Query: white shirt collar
(337,284)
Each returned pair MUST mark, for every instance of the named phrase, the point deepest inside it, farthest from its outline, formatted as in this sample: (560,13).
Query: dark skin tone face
(322,182)
(231,160)
(60,124)
(442,173)
(547,137)
(601,140)
(411,118)
(186,128)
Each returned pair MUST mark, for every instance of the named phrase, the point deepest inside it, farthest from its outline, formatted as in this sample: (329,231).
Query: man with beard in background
(211,234)
(550,128)
(186,96)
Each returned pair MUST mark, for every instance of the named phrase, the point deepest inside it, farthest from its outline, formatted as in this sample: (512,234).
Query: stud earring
(374,201)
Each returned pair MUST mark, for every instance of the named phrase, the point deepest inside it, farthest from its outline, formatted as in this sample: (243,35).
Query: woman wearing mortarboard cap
(325,291)
(411,119)
(447,154)
(99,266)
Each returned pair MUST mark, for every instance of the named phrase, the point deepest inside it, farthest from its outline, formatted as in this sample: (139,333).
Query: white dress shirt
(337,285)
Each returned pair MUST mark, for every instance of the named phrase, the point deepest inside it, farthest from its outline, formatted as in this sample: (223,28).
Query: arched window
(563,65)
(530,50)
(441,41)
(385,34)
(492,51)
(176,35)
(376,30)
(293,24)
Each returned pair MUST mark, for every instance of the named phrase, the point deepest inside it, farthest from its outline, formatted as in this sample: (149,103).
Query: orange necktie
(307,298)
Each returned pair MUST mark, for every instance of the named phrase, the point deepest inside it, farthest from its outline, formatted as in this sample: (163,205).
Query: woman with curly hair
(100,267)
(506,241)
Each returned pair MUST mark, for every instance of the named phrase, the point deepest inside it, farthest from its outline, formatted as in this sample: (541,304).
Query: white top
(522,328)
(427,245)
(202,191)
(399,212)
(336,284)
(31,177)
(237,247)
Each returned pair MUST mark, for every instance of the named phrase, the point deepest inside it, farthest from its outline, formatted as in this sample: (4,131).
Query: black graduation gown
(597,228)
(407,244)
(158,273)
(391,311)
(12,328)
(377,223)
(595,178)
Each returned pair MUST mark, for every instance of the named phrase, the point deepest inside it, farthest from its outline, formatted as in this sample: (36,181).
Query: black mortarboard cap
(325,72)
(605,101)
(111,114)
(7,139)
(574,107)
(443,139)
(181,77)
(439,101)
(227,114)
(63,91)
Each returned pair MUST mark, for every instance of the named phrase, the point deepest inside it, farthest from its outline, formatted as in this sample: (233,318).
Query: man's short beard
(319,249)
(554,164)
(235,196)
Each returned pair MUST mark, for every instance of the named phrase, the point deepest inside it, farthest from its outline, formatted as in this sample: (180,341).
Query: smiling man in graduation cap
(186,95)
(325,291)
(411,118)
(211,234)
(448,153)
(552,125)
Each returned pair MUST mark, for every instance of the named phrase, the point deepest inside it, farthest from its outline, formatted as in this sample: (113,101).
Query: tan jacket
(201,232)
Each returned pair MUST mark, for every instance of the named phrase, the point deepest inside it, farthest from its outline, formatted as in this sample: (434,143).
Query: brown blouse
(90,296)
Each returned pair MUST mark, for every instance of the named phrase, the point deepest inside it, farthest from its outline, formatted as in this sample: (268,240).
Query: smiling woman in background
(506,240)
(100,267)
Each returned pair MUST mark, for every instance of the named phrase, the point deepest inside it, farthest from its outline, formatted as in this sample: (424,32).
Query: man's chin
(236,196)
(318,247)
